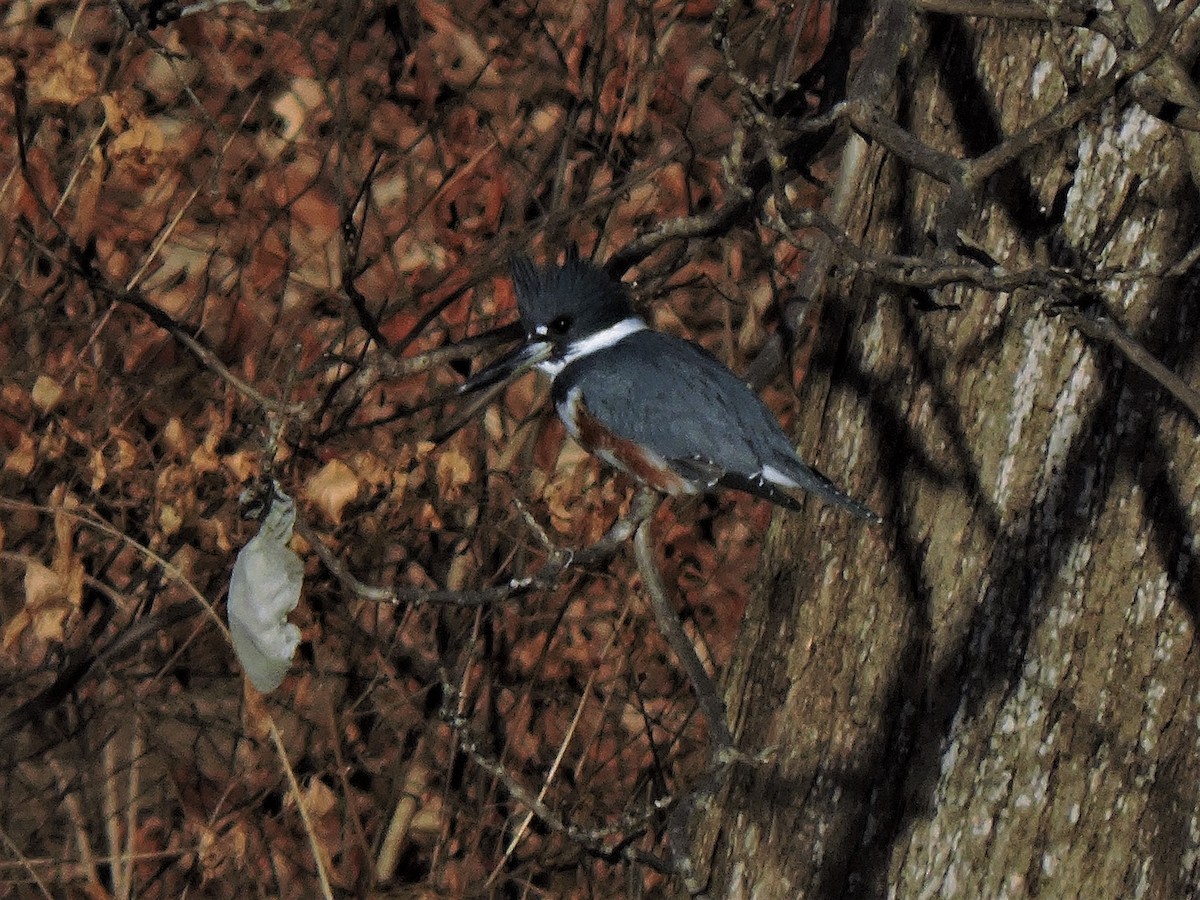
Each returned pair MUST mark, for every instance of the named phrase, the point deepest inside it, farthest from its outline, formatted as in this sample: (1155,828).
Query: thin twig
(672,630)
(318,851)
(75,811)
(83,266)
(26,863)
(714,222)
(595,841)
(1105,329)
(997,9)
(584,697)
(112,824)
(135,766)
(92,519)
(546,577)
(1083,102)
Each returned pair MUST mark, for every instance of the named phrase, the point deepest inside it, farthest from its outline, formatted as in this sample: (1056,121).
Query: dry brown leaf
(524,740)
(318,798)
(8,74)
(374,470)
(221,846)
(50,598)
(462,567)
(54,443)
(64,525)
(427,518)
(415,575)
(13,629)
(453,472)
(38,185)
(204,460)
(15,400)
(114,116)
(169,520)
(429,818)
(175,436)
(461,60)
(332,488)
(141,137)
(294,106)
(89,194)
(167,77)
(126,456)
(46,393)
(135,153)
(256,721)
(242,464)
(21,459)
(65,75)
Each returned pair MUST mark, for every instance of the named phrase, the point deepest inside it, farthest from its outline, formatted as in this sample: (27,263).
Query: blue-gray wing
(674,398)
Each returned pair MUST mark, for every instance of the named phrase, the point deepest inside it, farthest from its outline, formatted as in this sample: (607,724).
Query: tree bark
(995,693)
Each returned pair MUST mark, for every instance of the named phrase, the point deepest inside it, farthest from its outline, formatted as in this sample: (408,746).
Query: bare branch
(559,561)
(672,630)
(1103,328)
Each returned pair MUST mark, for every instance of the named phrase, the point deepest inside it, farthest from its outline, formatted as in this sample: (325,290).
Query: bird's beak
(505,369)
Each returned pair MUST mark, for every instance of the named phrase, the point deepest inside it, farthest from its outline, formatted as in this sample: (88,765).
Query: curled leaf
(265,587)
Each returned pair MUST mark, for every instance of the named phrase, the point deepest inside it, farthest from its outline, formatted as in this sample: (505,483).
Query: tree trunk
(994,693)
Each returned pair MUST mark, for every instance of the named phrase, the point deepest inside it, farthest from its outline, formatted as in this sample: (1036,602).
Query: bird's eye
(561,325)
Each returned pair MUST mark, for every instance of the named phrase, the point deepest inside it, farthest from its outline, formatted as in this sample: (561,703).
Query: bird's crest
(574,288)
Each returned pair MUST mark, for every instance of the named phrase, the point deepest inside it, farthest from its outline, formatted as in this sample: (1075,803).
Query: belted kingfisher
(656,406)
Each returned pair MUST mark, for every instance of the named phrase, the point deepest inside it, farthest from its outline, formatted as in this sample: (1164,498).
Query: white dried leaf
(265,587)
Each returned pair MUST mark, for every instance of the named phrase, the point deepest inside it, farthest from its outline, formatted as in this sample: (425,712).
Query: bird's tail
(798,475)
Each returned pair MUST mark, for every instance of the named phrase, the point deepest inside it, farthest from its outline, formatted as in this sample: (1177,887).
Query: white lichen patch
(1066,425)
(1149,600)
(1098,56)
(1038,333)
(1107,151)
(1040,78)
(875,340)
